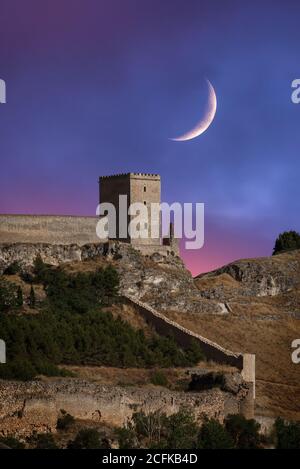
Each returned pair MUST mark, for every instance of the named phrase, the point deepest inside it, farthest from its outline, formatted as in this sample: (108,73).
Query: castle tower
(138,187)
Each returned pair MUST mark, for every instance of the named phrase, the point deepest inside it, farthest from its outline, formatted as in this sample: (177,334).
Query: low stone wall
(36,405)
(184,337)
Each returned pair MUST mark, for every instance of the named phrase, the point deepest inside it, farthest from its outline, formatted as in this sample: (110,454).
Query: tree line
(71,327)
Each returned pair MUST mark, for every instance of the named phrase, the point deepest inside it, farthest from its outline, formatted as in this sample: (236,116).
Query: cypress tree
(20,297)
(32,298)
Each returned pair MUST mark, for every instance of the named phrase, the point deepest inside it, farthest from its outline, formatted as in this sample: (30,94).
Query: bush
(88,438)
(13,269)
(244,432)
(65,421)
(126,437)
(12,442)
(45,441)
(158,378)
(8,296)
(287,241)
(39,268)
(181,430)
(213,435)
(156,430)
(287,434)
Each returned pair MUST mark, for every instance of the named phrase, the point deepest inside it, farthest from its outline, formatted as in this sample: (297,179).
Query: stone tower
(138,187)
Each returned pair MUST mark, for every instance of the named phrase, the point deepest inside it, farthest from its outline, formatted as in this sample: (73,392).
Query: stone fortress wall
(52,229)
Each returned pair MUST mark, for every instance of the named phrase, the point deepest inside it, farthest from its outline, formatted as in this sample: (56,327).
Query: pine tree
(32,297)
(19,297)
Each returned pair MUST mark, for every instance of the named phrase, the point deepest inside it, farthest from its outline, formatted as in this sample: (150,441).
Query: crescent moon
(205,122)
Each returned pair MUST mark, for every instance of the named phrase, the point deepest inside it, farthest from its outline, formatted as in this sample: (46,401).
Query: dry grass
(130,314)
(176,377)
(16,280)
(270,340)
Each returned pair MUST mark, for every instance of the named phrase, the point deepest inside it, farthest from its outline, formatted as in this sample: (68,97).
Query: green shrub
(65,421)
(12,442)
(13,269)
(126,437)
(8,296)
(244,432)
(158,378)
(88,438)
(287,434)
(213,435)
(45,441)
(157,430)
(39,268)
(181,430)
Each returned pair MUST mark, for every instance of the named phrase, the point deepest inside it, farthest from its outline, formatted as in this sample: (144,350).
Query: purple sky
(97,86)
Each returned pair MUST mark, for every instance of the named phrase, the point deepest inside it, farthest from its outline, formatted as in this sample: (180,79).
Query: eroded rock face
(160,280)
(268,276)
(163,282)
(26,254)
(35,406)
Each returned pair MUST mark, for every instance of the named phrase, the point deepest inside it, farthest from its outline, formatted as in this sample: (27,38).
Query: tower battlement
(133,175)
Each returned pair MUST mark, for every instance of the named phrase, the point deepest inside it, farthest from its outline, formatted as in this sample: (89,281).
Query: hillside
(263,299)
(251,305)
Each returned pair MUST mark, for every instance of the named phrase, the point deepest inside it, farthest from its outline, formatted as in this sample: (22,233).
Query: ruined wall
(212,351)
(48,229)
(184,337)
(36,405)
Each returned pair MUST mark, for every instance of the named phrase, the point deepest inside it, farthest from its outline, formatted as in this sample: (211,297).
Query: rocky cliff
(160,280)
(267,276)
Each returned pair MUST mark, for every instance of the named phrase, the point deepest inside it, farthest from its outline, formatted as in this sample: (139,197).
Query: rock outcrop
(162,281)
(267,276)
